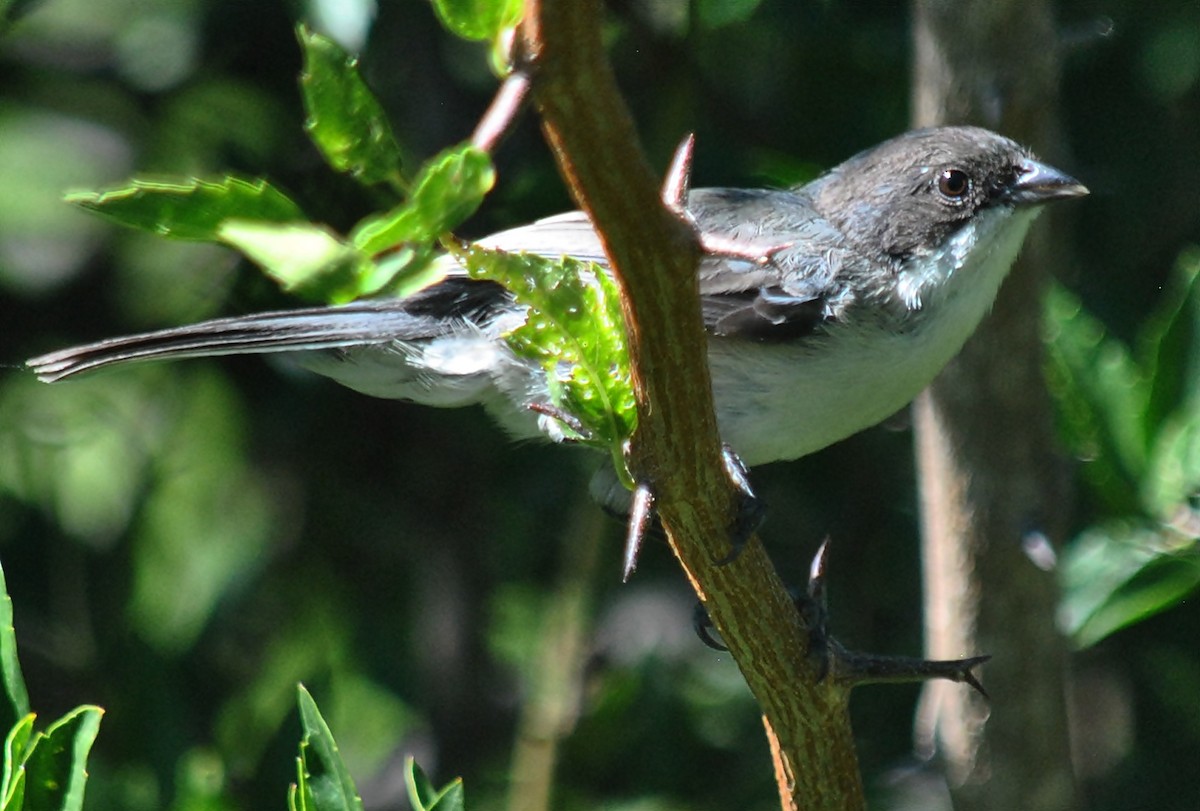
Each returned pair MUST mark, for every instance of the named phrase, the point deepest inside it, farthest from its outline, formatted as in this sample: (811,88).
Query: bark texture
(676,449)
(992,488)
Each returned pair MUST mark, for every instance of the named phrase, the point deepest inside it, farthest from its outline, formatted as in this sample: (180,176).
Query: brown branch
(654,253)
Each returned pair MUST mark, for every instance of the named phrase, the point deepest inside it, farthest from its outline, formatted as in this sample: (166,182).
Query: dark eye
(953,184)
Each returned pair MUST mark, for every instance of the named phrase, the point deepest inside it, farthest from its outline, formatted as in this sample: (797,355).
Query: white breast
(784,401)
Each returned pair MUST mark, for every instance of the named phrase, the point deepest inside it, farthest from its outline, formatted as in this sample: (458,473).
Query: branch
(676,450)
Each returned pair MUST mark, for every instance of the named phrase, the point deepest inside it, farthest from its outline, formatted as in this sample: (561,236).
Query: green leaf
(478,19)
(1116,575)
(1102,397)
(16,699)
(56,764)
(1169,344)
(300,796)
(345,120)
(306,259)
(189,209)
(449,188)
(16,748)
(327,785)
(422,796)
(575,331)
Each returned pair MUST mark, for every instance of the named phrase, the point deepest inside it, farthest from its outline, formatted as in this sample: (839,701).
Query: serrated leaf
(330,787)
(15,704)
(1117,575)
(422,795)
(1101,395)
(306,259)
(192,209)
(16,748)
(449,188)
(575,331)
(345,120)
(478,19)
(56,764)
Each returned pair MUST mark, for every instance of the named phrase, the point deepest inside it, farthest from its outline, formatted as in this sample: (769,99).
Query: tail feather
(427,315)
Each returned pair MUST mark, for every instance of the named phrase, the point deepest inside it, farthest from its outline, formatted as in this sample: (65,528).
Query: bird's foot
(852,668)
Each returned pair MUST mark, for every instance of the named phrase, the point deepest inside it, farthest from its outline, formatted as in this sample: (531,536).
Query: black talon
(703,625)
(851,667)
(854,668)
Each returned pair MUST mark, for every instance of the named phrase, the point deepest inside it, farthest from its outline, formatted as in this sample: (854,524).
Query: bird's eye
(954,184)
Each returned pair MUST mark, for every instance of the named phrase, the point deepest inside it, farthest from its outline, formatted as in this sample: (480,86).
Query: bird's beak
(1038,183)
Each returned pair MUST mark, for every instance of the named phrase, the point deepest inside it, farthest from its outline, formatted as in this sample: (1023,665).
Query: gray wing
(793,295)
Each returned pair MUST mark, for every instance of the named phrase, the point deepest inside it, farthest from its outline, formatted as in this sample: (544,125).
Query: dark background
(183,543)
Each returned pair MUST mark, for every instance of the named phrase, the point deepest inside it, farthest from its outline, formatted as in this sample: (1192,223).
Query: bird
(875,275)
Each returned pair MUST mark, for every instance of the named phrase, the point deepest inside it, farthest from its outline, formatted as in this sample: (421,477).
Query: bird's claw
(851,668)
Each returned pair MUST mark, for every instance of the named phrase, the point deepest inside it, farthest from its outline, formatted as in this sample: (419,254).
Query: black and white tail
(427,315)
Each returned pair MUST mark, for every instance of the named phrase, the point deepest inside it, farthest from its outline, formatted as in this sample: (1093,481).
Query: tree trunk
(991,490)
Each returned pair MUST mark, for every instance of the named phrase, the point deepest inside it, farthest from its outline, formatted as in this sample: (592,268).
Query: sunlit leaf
(15,705)
(345,120)
(189,209)
(448,190)
(575,331)
(478,19)
(424,797)
(56,766)
(16,748)
(306,259)
(329,785)
(300,796)
(1119,574)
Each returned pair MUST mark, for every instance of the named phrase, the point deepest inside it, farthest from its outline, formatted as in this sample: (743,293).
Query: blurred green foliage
(187,542)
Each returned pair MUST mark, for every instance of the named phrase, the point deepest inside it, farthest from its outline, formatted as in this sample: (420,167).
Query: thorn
(640,512)
(678,180)
(816,574)
(751,511)
(500,115)
(715,245)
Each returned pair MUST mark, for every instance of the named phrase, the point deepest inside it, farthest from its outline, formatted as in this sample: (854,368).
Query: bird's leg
(852,668)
